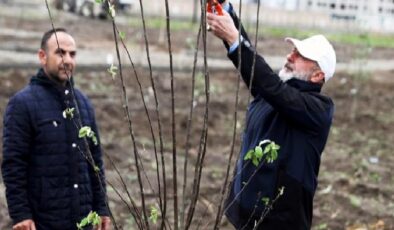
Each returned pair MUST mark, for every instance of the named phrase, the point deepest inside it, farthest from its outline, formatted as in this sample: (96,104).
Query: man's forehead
(62,38)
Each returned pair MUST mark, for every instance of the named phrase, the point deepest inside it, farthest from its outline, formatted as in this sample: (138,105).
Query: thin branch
(149,121)
(253,212)
(267,210)
(226,187)
(189,125)
(204,134)
(163,204)
(245,184)
(135,212)
(255,50)
(131,130)
(174,157)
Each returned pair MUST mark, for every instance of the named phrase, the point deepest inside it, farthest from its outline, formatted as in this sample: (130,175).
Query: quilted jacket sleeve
(16,145)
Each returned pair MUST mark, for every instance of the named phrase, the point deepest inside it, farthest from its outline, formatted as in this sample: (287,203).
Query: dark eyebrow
(62,51)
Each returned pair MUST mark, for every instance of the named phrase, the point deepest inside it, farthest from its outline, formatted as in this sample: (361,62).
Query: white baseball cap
(317,48)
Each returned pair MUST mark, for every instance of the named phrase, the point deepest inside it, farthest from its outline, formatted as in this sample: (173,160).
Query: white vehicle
(91,8)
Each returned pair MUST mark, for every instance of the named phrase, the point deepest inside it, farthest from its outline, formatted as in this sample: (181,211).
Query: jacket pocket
(49,129)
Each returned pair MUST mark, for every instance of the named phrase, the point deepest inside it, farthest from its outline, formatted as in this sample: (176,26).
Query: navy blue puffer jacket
(296,116)
(44,168)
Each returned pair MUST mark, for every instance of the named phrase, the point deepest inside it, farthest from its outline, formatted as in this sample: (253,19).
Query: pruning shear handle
(214,7)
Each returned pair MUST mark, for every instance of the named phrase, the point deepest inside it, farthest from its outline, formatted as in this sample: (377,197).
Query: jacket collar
(42,79)
(304,85)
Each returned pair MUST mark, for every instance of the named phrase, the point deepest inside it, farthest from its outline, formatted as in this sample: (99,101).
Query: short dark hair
(48,35)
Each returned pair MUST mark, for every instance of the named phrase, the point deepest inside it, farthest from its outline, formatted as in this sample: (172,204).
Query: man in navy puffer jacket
(288,109)
(53,177)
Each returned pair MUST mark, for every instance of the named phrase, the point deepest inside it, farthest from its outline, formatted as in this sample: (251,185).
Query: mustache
(65,68)
(288,66)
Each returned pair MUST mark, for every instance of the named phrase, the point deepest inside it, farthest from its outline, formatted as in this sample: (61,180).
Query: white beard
(285,75)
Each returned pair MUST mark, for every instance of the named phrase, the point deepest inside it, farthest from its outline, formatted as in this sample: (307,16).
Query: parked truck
(91,8)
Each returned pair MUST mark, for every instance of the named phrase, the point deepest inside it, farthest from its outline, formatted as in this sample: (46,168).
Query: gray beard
(285,75)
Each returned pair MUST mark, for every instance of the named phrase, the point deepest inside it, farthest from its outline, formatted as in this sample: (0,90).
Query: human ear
(317,77)
(42,56)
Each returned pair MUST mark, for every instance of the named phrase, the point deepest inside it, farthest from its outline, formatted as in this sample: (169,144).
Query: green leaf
(153,214)
(91,218)
(256,154)
(258,151)
(248,155)
(96,220)
(84,222)
(267,149)
(96,169)
(255,161)
(99,1)
(111,9)
(68,113)
(122,35)
(265,200)
(274,154)
(112,70)
(84,131)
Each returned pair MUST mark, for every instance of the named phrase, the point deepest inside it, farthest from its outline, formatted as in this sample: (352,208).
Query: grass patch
(369,39)
(158,23)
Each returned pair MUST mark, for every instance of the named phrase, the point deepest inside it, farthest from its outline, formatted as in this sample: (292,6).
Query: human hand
(223,27)
(25,225)
(105,223)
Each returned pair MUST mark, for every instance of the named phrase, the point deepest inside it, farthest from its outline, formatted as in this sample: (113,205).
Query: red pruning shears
(214,7)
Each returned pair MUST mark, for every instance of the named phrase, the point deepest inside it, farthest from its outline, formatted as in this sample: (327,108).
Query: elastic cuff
(21,218)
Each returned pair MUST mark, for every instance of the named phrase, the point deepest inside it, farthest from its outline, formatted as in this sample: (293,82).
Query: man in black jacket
(53,175)
(288,109)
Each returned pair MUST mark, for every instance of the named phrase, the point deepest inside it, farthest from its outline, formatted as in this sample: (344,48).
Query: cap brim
(301,49)
(292,41)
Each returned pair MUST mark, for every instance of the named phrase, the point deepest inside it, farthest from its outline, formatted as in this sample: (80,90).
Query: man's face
(58,62)
(298,67)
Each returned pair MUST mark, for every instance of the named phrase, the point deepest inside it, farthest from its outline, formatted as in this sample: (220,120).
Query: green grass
(157,23)
(369,39)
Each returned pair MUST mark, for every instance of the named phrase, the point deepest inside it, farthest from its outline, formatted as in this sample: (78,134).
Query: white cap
(317,48)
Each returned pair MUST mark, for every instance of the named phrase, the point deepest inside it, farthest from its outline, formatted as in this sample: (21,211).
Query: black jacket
(296,116)
(45,172)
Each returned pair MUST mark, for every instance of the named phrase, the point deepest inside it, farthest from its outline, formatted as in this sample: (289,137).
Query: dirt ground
(356,182)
